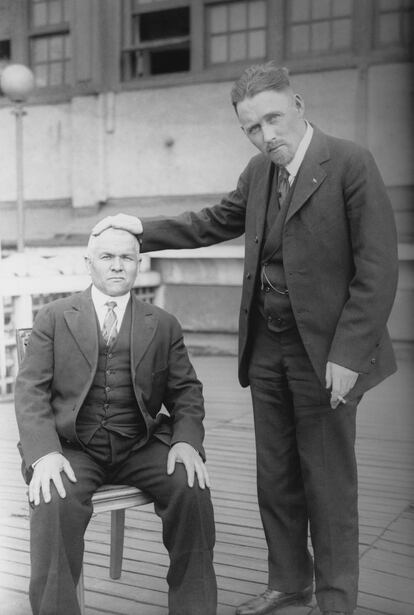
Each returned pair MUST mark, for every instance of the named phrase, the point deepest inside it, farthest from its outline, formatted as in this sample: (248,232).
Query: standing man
(319,282)
(98,367)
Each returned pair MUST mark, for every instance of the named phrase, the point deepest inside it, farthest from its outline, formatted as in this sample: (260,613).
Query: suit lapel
(144,325)
(311,173)
(81,321)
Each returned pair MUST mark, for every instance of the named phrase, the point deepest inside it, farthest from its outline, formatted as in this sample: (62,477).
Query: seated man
(98,367)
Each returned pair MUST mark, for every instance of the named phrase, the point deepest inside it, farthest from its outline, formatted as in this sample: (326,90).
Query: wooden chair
(113,498)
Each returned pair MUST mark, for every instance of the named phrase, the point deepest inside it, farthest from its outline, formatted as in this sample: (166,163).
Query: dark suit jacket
(61,361)
(339,254)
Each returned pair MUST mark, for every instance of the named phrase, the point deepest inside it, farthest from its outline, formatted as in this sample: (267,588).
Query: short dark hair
(259,78)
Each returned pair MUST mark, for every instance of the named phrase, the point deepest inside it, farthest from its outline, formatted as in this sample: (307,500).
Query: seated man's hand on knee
(186,454)
(48,469)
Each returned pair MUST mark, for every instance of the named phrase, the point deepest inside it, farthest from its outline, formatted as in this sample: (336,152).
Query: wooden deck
(386,469)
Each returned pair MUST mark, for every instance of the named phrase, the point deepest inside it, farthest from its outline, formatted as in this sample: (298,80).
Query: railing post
(23,311)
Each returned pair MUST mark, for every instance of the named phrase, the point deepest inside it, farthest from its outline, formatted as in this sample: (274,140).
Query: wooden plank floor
(386,484)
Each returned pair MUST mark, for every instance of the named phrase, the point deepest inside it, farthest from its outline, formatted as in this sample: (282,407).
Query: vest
(111,404)
(275,306)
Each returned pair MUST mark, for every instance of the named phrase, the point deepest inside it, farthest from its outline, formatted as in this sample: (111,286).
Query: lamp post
(17,81)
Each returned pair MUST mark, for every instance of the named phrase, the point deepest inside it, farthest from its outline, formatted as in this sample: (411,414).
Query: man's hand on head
(48,469)
(182,452)
(340,380)
(120,221)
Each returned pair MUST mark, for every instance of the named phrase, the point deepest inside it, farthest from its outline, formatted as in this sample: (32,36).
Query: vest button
(108,372)
(110,355)
(107,389)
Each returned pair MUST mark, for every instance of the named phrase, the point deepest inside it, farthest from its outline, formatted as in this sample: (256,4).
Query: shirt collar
(294,165)
(99,298)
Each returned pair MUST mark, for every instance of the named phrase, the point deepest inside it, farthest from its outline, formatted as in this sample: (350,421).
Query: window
(156,42)
(50,49)
(236,31)
(393,23)
(318,27)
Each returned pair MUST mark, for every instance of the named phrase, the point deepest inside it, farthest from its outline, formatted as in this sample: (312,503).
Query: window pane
(237,16)
(164,24)
(320,36)
(341,34)
(238,47)
(40,73)
(39,14)
(56,47)
(389,31)
(66,10)
(257,44)
(55,12)
(321,9)
(218,50)
(68,47)
(39,50)
(257,14)
(341,7)
(408,30)
(67,72)
(390,5)
(300,10)
(56,74)
(218,19)
(300,39)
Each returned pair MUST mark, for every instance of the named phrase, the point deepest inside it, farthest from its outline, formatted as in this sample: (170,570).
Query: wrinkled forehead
(113,241)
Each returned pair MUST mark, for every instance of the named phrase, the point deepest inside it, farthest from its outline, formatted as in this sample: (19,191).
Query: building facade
(131,112)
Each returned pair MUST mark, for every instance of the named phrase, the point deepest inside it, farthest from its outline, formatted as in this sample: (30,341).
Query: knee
(59,506)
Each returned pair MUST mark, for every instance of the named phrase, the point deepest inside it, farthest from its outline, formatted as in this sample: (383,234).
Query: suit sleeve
(34,413)
(184,398)
(209,226)
(372,289)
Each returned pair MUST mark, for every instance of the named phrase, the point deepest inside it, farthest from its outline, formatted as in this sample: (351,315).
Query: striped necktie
(109,327)
(282,185)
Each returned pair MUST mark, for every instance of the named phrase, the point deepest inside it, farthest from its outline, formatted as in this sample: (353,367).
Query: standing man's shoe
(272,599)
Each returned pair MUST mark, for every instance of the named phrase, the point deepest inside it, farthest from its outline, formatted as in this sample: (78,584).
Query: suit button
(373,361)
(267,289)
(107,389)
(256,239)
(248,276)
(110,355)
(269,318)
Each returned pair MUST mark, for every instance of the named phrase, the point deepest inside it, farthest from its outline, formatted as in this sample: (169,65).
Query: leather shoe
(273,599)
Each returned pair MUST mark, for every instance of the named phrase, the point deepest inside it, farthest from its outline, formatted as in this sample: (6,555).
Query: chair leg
(80,592)
(117,543)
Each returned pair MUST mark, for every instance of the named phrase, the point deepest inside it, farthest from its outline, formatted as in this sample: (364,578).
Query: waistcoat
(111,403)
(274,306)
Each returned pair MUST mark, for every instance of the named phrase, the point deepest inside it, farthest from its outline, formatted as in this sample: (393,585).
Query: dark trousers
(306,472)
(57,528)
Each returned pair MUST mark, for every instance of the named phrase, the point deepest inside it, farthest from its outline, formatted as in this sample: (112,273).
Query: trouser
(306,472)
(57,528)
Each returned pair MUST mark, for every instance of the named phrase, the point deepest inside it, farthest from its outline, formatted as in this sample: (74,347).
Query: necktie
(282,184)
(109,330)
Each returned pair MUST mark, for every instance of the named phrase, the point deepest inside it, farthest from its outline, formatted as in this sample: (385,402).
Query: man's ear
(299,104)
(87,263)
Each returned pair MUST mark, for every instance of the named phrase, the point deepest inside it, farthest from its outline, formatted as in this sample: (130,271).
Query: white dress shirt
(294,165)
(100,299)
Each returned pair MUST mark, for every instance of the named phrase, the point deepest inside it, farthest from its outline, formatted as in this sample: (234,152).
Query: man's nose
(268,133)
(116,263)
